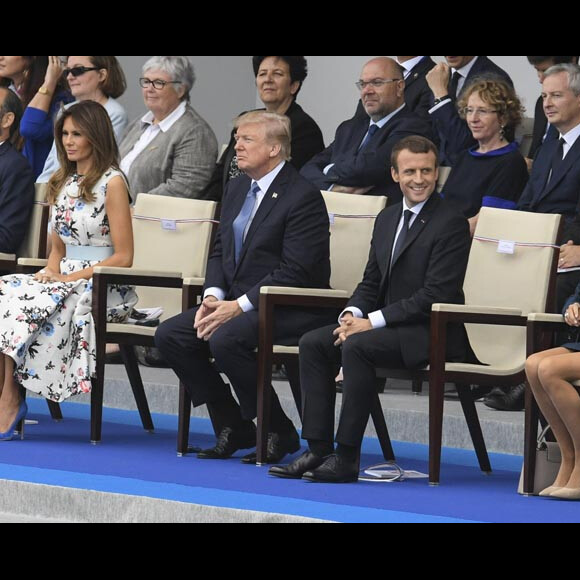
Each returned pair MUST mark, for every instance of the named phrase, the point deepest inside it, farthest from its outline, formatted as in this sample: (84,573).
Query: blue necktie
(242,221)
(557,160)
(371,133)
(402,239)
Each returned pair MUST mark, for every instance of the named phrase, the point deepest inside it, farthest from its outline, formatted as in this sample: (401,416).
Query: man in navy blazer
(418,257)
(358,162)
(447,81)
(16,178)
(274,231)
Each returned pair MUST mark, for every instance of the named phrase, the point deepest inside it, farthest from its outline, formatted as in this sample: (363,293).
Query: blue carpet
(132,462)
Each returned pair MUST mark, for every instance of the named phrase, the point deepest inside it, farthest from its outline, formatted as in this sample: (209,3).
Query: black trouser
(233,347)
(320,362)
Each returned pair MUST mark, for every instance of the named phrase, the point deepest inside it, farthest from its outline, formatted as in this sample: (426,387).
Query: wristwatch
(44,91)
(441,100)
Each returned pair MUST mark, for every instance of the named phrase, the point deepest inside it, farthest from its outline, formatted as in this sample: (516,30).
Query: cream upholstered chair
(525,135)
(505,282)
(352,220)
(444,173)
(172,242)
(34,246)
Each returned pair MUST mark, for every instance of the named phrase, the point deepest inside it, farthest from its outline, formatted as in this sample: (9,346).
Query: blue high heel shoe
(9,435)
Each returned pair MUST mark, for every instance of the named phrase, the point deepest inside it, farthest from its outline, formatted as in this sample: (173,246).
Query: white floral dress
(48,330)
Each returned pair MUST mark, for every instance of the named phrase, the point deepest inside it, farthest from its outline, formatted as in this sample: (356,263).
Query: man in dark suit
(554,187)
(358,160)
(418,257)
(16,178)
(274,231)
(418,95)
(543,131)
(447,81)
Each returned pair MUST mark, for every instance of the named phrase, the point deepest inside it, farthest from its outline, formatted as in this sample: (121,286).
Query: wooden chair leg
(97,396)
(184,421)
(382,430)
(531,439)
(55,411)
(132,368)
(472,418)
(293,371)
(436,407)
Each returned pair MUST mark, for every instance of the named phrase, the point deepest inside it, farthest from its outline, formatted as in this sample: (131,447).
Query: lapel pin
(275,196)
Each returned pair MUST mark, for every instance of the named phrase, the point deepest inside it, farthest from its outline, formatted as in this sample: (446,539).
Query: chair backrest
(352,220)
(444,173)
(522,280)
(35,242)
(525,135)
(171,235)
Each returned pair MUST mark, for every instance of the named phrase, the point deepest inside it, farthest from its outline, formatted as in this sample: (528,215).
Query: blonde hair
(278,129)
(93,121)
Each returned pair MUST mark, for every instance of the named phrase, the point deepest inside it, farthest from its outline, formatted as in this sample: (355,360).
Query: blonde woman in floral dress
(47,334)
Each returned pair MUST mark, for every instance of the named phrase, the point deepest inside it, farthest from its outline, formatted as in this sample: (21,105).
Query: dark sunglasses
(79,71)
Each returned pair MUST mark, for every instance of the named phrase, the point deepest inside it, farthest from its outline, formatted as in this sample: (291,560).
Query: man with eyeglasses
(16,177)
(447,81)
(358,162)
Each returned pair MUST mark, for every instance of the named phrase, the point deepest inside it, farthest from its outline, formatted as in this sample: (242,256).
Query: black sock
(321,448)
(347,453)
(225,412)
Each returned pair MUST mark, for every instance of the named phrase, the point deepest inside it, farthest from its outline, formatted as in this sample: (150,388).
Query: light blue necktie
(242,221)
(371,133)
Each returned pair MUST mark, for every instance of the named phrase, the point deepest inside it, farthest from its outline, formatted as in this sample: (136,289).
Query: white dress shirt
(264,184)
(464,72)
(410,64)
(376,318)
(150,133)
(570,138)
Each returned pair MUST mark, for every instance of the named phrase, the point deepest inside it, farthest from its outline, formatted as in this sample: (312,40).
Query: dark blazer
(16,198)
(562,194)
(540,126)
(307,141)
(454,134)
(418,95)
(431,269)
(288,243)
(372,166)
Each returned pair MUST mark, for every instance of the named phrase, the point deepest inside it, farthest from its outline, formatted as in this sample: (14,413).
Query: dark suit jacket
(562,194)
(430,270)
(540,126)
(307,141)
(418,95)
(372,166)
(454,134)
(16,198)
(288,243)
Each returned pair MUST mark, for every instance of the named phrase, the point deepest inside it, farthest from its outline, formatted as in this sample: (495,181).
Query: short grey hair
(278,129)
(179,68)
(573,72)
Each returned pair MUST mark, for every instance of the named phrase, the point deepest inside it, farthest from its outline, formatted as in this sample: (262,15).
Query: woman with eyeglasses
(279,80)
(93,78)
(172,150)
(494,173)
(38,81)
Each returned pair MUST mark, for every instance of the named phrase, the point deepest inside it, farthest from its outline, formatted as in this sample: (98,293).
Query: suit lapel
(572,158)
(391,231)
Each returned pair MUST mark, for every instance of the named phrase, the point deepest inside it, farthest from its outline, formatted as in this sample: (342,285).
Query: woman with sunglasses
(93,78)
(38,81)
(171,151)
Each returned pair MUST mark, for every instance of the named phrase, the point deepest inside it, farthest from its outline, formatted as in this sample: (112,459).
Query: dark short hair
(415,144)
(12,104)
(534,60)
(115,84)
(298,67)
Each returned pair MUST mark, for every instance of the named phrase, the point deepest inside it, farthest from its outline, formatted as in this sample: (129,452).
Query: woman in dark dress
(279,80)
(551,375)
(493,174)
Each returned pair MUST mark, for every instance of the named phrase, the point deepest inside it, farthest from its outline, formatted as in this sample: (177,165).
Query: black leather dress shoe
(279,445)
(513,399)
(297,469)
(334,470)
(229,442)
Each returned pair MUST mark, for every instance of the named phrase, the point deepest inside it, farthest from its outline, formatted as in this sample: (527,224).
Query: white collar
(465,70)
(266,182)
(410,64)
(169,121)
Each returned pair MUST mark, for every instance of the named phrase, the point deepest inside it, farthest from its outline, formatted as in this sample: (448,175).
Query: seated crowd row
(468,107)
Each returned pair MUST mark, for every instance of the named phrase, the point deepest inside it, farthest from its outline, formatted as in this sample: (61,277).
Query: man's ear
(7,120)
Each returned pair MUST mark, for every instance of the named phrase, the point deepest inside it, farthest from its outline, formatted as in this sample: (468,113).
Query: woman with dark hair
(93,78)
(279,80)
(38,81)
(47,329)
